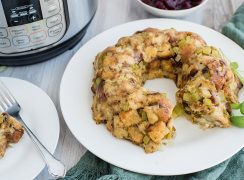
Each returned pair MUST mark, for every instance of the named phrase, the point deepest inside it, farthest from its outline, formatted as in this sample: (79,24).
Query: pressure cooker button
(38,36)
(16,21)
(54,31)
(33,18)
(37,26)
(3,33)
(20,41)
(18,31)
(52,21)
(53,9)
(4,42)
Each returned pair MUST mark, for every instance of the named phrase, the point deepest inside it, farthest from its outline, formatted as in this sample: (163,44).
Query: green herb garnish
(238,120)
(234,65)
(235,106)
(242,107)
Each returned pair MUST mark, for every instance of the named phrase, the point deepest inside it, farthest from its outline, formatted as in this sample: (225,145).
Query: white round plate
(192,150)
(22,161)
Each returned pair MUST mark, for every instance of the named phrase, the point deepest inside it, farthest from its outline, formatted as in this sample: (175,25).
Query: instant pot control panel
(30,24)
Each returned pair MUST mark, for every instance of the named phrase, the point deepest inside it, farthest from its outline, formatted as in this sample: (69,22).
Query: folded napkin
(234,29)
(91,167)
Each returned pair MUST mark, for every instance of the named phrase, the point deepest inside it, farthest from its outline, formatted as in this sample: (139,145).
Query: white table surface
(47,75)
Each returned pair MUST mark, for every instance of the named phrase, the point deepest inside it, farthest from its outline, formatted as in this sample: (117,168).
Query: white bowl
(170,13)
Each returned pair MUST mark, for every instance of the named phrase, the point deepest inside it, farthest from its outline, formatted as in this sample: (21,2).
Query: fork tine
(3,105)
(7,93)
(6,99)
(1,109)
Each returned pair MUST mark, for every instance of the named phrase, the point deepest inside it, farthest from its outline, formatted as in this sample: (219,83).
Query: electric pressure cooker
(36,30)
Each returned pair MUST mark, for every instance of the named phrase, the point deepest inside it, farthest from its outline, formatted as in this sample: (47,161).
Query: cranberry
(146,1)
(171,4)
(196,2)
(186,5)
(160,5)
(178,2)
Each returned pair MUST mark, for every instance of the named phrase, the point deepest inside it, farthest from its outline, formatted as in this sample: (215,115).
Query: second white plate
(192,150)
(22,160)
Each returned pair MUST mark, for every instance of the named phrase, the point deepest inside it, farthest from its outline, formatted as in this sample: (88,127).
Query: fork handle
(55,167)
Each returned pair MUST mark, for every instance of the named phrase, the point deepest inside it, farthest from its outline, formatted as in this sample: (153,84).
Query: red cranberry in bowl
(160,5)
(172,4)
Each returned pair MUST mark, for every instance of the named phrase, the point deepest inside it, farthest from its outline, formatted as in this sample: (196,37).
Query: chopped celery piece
(208,102)
(146,140)
(177,111)
(144,116)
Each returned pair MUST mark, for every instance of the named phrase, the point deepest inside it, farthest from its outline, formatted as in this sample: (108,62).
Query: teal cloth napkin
(91,167)
(234,29)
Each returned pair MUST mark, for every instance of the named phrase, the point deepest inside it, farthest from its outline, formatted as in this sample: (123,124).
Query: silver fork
(10,105)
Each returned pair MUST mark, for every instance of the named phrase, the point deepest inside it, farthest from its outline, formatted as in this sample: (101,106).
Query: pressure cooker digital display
(22,11)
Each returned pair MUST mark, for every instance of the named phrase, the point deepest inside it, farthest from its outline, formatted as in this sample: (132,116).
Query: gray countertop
(47,75)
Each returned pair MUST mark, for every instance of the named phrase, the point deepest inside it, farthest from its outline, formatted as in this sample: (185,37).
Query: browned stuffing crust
(11,131)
